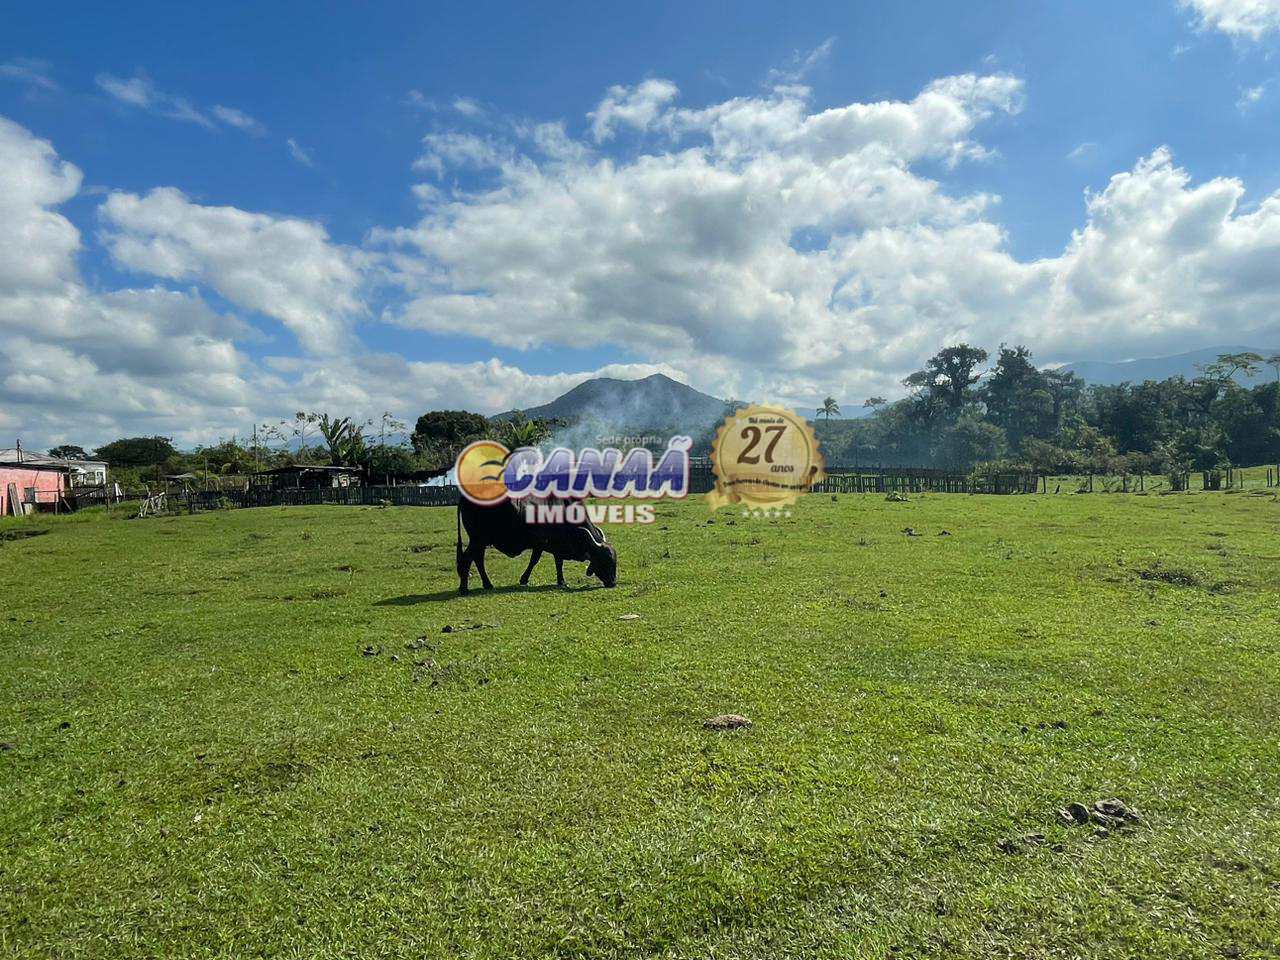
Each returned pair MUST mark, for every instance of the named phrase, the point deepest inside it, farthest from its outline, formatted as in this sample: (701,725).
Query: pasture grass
(249,733)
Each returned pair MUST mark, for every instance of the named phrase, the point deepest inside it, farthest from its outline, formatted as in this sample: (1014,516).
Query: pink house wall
(48,484)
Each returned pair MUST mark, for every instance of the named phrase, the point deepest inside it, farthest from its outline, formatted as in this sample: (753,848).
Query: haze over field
(483,210)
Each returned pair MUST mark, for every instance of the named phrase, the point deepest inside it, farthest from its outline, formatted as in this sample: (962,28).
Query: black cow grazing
(504,528)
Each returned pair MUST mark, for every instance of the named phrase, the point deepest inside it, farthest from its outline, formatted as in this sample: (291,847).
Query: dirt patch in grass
(1157,571)
(461,673)
(20,533)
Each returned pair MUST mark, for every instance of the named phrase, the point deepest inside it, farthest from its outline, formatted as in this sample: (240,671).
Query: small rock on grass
(630,616)
(1107,815)
(1114,813)
(1074,814)
(727,721)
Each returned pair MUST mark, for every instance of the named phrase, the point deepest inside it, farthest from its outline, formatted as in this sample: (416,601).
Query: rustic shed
(307,476)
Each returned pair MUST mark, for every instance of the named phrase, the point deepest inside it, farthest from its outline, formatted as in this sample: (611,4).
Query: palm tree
(829,408)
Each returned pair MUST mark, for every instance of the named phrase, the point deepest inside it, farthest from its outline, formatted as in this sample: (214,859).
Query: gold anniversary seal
(764,458)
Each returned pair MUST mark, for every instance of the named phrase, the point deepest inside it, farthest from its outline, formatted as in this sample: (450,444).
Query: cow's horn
(591,532)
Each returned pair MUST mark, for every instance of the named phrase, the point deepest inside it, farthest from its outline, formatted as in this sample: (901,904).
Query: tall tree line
(965,410)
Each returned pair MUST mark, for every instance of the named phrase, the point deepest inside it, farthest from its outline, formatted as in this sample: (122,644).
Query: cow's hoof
(488,586)
(463,591)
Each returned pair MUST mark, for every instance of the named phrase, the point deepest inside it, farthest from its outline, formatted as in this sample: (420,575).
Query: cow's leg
(464,569)
(484,577)
(533,562)
(559,572)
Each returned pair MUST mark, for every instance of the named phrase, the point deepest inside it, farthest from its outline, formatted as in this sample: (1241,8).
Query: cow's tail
(458,560)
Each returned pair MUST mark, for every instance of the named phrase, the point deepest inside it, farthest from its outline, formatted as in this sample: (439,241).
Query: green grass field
(249,733)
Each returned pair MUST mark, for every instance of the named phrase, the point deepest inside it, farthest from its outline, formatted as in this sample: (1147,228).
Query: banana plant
(334,430)
(521,432)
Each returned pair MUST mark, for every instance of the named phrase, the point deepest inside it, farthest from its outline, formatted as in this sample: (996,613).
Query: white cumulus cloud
(638,107)
(285,268)
(85,366)
(764,247)
(1238,19)
(774,249)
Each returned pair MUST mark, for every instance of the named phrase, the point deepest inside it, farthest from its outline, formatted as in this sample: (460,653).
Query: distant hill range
(632,407)
(1157,368)
(658,405)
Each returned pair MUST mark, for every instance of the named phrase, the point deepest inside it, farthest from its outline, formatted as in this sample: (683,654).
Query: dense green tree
(970,440)
(1045,457)
(1017,397)
(69,451)
(390,460)
(1247,421)
(137,451)
(440,434)
(948,374)
(1134,417)
(1065,390)
(226,458)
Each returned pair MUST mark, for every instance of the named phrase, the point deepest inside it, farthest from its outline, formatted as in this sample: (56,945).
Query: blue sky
(291,139)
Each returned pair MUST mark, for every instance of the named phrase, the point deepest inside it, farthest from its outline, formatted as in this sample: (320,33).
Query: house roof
(12,456)
(7,464)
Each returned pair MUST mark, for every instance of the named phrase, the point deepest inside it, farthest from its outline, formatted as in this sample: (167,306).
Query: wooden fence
(882,480)
(903,480)
(351,496)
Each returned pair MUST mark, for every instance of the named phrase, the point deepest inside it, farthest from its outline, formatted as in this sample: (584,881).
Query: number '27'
(746,456)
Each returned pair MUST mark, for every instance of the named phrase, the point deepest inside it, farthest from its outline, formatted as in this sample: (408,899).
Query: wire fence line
(837,480)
